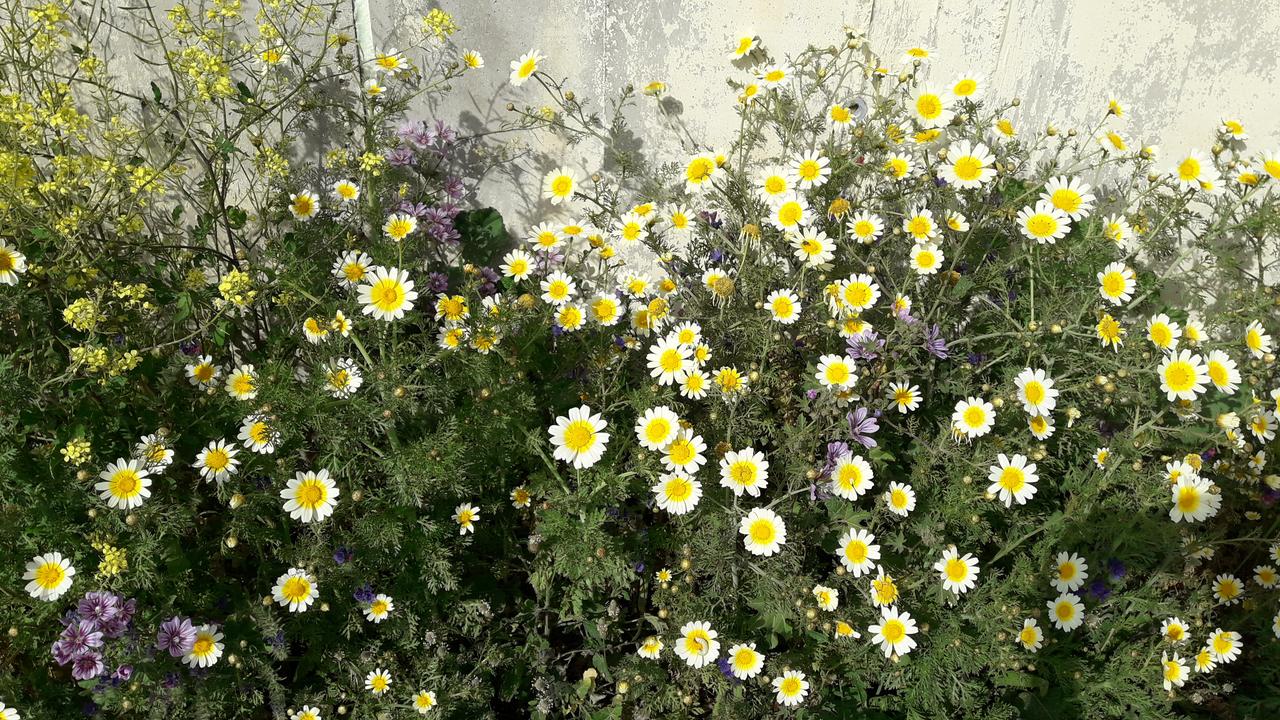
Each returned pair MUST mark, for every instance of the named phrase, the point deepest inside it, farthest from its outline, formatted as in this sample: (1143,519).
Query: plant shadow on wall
(896,422)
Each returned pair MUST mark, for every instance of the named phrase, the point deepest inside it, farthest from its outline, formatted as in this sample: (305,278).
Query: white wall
(1181,65)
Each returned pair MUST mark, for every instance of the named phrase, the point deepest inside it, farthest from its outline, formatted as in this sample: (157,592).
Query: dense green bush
(879,411)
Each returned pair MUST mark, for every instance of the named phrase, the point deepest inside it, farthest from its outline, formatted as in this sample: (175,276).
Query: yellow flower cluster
(115,560)
(134,294)
(271,162)
(439,24)
(236,287)
(83,314)
(97,361)
(76,451)
(372,163)
(209,75)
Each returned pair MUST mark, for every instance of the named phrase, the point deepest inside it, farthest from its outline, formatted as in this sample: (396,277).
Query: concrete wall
(1180,65)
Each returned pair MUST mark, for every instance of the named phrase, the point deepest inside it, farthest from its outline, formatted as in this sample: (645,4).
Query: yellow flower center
(699,170)
(1027,636)
(856,551)
(579,436)
(679,489)
(1189,169)
(681,452)
(260,433)
(975,416)
(968,167)
(1034,392)
(203,645)
(929,106)
(956,569)
(217,459)
(893,630)
(50,575)
(838,373)
(562,185)
(1012,479)
(1188,499)
(790,686)
(1113,284)
(243,384)
(296,589)
(1066,200)
(311,494)
(743,472)
(1180,376)
(965,87)
(125,483)
(387,295)
(762,531)
(1042,225)
(1064,611)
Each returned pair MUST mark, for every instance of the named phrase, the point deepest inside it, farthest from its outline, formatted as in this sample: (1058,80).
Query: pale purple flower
(100,607)
(81,636)
(87,666)
(934,343)
(176,636)
(862,425)
(865,346)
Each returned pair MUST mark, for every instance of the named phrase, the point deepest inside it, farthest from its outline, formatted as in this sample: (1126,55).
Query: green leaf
(237,217)
(484,236)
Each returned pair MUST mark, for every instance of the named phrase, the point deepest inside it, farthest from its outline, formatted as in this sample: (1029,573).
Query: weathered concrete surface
(1179,65)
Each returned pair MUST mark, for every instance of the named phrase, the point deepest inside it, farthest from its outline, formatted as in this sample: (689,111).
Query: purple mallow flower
(934,343)
(866,345)
(342,555)
(176,636)
(862,425)
(87,666)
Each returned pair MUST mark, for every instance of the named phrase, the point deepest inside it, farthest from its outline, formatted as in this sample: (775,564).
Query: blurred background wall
(1180,66)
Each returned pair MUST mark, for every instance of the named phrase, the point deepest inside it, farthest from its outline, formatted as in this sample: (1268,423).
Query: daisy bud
(13,631)
(266,600)
(1051,131)
(998,402)
(685,564)
(82,475)
(623,687)
(811,613)
(511,107)
(967,480)
(1033,326)
(231,541)
(662,613)
(93,512)
(1071,132)
(131,520)
(871,269)
(356,496)
(399,391)
(1015,102)
(236,501)
(570,96)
